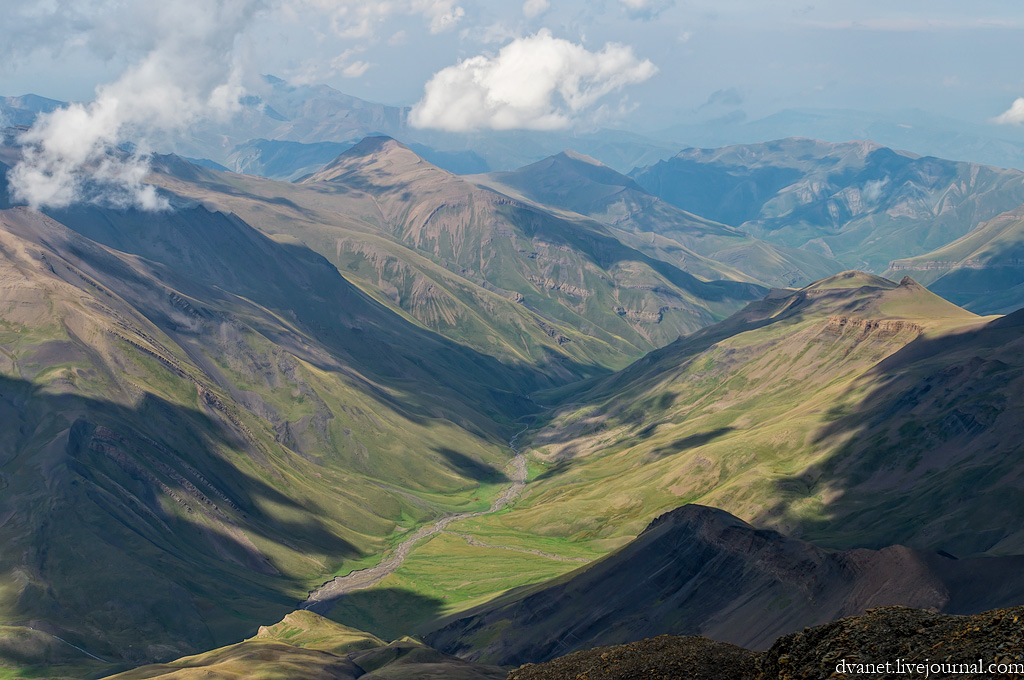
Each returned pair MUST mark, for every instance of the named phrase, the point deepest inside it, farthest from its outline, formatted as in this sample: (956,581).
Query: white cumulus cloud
(537,83)
(1013,115)
(193,69)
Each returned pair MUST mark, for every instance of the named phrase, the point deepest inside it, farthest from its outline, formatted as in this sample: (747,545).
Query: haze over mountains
(578,183)
(857,202)
(222,405)
(312,118)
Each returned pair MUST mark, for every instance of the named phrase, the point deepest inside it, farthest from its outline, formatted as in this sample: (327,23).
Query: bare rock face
(701,571)
(896,642)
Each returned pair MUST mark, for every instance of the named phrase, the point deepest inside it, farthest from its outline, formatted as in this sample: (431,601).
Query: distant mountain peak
(375,144)
(907,282)
(703,516)
(387,155)
(852,278)
(582,158)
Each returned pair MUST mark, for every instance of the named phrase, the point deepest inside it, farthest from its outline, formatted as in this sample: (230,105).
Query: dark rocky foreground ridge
(988,645)
(701,571)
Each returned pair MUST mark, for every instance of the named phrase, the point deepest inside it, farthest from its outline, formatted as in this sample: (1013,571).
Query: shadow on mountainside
(142,529)
(217,258)
(388,613)
(471,467)
(929,454)
(143,532)
(689,442)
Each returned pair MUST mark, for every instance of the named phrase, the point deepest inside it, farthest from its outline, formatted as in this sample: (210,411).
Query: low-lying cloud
(872,190)
(1013,115)
(193,69)
(534,83)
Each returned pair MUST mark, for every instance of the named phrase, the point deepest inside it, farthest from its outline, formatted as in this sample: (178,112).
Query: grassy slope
(448,574)
(780,414)
(737,415)
(235,423)
(650,443)
(983,270)
(346,230)
(218,455)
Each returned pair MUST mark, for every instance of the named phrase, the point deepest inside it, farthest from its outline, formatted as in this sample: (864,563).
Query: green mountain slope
(982,270)
(215,423)
(585,186)
(511,245)
(861,203)
(849,412)
(410,283)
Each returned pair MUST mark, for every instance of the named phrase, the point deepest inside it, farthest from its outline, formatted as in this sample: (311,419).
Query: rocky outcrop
(885,327)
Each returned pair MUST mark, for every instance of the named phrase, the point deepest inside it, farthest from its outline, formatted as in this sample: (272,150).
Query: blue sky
(709,59)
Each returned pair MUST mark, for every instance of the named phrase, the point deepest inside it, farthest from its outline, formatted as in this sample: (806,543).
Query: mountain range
(507,379)
(859,202)
(577,286)
(981,270)
(585,186)
(219,420)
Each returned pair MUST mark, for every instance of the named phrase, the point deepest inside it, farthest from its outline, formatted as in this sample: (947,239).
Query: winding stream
(323,598)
